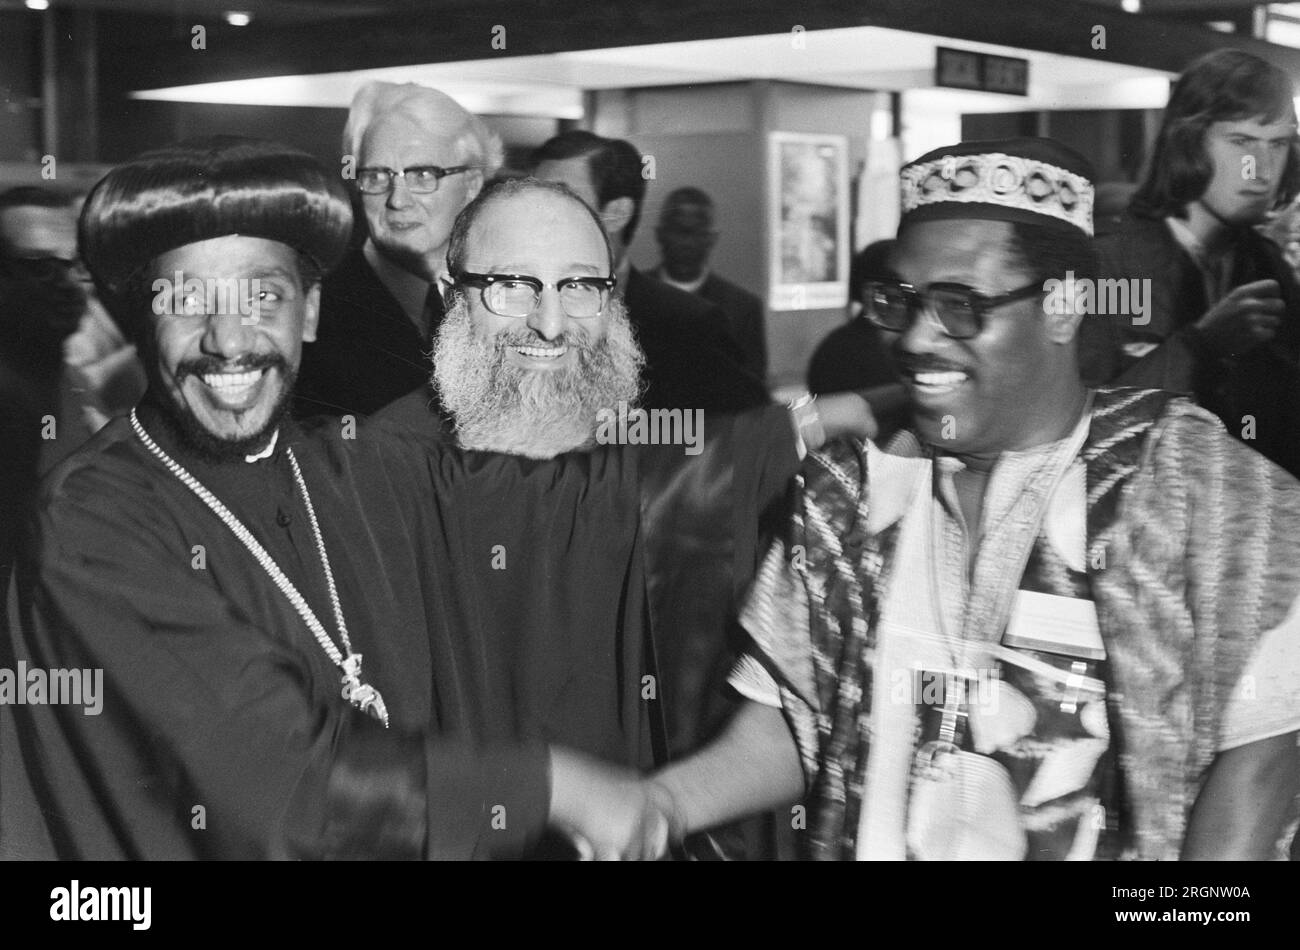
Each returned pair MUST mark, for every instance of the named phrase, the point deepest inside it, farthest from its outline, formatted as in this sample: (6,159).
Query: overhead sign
(982,72)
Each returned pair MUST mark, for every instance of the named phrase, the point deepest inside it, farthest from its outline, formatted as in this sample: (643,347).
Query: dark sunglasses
(892,305)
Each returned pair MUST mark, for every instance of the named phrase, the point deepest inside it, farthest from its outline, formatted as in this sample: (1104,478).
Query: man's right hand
(610,813)
(1248,316)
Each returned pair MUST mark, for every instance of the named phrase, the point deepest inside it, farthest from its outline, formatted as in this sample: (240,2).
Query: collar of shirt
(690,286)
(164,430)
(1015,502)
(1216,269)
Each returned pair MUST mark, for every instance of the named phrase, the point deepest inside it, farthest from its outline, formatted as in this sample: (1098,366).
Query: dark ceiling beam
(160,55)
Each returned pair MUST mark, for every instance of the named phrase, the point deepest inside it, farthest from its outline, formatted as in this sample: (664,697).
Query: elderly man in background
(418,158)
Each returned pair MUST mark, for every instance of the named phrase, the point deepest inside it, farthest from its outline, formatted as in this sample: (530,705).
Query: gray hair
(475,143)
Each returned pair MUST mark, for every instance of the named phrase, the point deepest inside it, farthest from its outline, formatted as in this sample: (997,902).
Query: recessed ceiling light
(37,4)
(1131,6)
(238,18)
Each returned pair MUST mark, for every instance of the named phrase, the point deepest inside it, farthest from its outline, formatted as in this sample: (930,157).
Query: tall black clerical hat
(207,188)
(1030,180)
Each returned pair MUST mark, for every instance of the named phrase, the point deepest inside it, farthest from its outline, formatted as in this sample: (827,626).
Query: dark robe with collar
(222,732)
(1262,384)
(688,529)
(367,351)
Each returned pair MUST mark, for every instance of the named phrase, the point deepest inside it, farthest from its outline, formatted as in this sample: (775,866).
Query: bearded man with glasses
(416,159)
(1049,622)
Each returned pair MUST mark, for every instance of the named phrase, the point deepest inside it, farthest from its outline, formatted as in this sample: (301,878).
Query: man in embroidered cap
(211,577)
(1038,625)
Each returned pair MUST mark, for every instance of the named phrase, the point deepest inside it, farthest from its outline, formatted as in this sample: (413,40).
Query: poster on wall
(808,221)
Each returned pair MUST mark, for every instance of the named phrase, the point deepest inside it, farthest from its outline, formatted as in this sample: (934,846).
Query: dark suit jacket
(1263,383)
(692,360)
(367,351)
(745,315)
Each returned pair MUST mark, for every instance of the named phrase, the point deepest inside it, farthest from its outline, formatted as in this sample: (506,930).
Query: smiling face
(533,385)
(409,229)
(1248,157)
(228,373)
(1007,388)
(549,237)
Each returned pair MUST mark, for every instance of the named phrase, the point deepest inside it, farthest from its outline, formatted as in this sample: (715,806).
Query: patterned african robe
(1193,555)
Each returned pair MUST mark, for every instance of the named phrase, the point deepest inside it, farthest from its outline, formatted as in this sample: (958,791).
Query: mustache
(528,337)
(201,366)
(918,363)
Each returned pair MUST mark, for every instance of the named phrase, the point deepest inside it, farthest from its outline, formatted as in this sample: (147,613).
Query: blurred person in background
(65,367)
(418,158)
(687,234)
(1223,317)
(854,357)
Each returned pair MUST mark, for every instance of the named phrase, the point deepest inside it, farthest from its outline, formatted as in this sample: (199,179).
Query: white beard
(500,407)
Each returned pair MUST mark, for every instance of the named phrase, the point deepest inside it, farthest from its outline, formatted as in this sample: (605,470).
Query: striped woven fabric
(1193,552)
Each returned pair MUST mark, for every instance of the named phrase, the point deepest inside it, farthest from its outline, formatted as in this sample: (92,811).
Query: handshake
(611,813)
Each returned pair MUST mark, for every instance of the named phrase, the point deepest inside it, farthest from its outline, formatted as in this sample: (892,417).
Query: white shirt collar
(690,286)
(266,452)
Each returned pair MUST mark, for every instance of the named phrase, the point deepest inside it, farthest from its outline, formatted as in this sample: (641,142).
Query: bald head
(519,198)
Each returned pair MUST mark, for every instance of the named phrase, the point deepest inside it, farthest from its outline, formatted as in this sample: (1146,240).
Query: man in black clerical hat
(183,673)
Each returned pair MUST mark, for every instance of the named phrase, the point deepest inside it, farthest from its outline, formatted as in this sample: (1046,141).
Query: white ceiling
(859,57)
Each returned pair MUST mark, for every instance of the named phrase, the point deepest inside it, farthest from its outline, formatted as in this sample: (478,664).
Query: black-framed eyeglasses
(518,295)
(46,267)
(960,310)
(420,179)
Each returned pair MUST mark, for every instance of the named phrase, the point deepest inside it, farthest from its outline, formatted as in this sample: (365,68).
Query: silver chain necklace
(361,695)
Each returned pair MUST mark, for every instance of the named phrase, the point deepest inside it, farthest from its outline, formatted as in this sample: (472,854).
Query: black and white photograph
(760,431)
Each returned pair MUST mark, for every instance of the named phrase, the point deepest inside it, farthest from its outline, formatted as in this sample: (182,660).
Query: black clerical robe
(222,731)
(694,524)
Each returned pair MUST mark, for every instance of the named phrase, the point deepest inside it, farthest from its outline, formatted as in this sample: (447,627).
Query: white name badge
(1053,624)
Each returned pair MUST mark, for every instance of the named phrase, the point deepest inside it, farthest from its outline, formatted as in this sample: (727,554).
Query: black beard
(209,448)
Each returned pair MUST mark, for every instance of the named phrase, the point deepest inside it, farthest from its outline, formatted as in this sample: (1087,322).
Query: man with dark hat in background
(1035,626)
(182,675)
